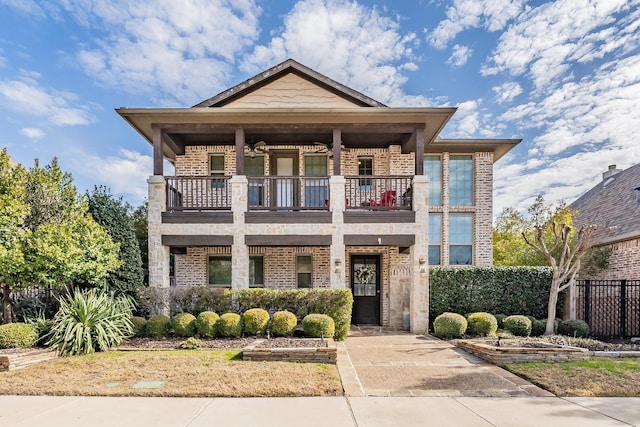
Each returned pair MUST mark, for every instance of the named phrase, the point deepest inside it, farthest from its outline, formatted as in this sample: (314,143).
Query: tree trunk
(6,303)
(551,308)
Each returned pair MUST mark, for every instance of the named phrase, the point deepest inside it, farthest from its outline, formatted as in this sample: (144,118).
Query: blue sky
(562,75)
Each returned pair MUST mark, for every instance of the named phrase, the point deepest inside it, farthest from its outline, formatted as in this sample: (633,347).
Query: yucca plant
(91,321)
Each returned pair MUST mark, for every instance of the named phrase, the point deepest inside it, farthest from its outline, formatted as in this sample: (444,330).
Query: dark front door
(365,284)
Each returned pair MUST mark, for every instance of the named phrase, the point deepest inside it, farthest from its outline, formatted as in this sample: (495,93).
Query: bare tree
(564,248)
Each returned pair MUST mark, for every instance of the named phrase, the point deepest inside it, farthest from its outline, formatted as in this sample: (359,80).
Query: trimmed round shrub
(139,326)
(537,326)
(574,328)
(255,321)
(318,326)
(518,325)
(184,324)
(283,323)
(499,318)
(449,325)
(207,323)
(230,325)
(14,335)
(481,323)
(158,326)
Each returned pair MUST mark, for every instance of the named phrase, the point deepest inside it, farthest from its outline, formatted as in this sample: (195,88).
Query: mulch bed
(219,343)
(560,340)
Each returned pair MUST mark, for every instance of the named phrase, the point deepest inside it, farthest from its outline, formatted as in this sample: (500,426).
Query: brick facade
(623,261)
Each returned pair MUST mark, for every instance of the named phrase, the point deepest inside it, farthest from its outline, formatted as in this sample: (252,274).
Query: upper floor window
(365,168)
(316,191)
(461,180)
(216,169)
(433,169)
(460,239)
(254,167)
(315,165)
(435,238)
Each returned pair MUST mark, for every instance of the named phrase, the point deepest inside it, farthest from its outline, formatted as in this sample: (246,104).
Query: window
(461,180)
(216,169)
(315,190)
(220,271)
(365,168)
(303,271)
(460,239)
(435,238)
(433,169)
(256,271)
(254,167)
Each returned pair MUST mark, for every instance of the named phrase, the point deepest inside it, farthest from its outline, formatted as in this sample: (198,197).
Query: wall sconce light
(338,265)
(422,265)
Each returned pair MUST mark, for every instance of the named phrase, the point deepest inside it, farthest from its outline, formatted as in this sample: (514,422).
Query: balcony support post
(239,251)
(419,294)
(337,250)
(158,253)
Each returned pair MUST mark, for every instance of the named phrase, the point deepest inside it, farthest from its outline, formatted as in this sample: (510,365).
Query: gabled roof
(286,67)
(613,203)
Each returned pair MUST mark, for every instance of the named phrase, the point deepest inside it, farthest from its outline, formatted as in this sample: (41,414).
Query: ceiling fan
(252,149)
(328,148)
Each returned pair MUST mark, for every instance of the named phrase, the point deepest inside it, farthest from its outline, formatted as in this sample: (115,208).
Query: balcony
(288,193)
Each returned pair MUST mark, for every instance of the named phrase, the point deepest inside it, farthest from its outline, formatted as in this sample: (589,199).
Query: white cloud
(177,52)
(353,44)
(26,6)
(547,38)
(492,15)
(459,56)
(32,133)
(507,92)
(27,97)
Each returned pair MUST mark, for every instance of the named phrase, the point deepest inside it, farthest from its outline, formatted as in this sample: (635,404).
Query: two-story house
(292,180)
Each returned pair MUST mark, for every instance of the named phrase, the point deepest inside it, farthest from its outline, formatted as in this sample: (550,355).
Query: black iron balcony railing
(198,193)
(288,193)
(378,192)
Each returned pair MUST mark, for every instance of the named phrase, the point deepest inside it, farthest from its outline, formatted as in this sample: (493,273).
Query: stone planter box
(504,355)
(21,359)
(255,352)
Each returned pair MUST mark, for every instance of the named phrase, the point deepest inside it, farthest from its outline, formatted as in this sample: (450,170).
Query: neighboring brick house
(615,201)
(291,179)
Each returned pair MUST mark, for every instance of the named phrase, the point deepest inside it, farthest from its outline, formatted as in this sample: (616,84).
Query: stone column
(419,294)
(158,253)
(337,251)
(239,251)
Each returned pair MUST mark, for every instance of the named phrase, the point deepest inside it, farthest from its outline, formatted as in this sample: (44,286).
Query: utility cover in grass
(112,384)
(148,384)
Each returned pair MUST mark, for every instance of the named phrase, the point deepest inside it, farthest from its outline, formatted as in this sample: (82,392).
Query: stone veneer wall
(279,265)
(624,261)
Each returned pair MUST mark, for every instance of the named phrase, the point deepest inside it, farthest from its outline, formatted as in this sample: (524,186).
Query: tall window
(365,168)
(460,239)
(216,169)
(316,190)
(220,271)
(435,238)
(461,180)
(256,271)
(433,169)
(303,271)
(254,167)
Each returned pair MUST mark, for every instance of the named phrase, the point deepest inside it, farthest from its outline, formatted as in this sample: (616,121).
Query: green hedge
(509,290)
(336,303)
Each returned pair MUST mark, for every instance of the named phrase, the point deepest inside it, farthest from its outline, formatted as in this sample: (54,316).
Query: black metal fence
(610,307)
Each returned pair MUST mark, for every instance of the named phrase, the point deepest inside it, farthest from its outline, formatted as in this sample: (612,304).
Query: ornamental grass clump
(207,323)
(255,321)
(230,325)
(91,321)
(283,323)
(158,326)
(184,325)
(318,326)
(518,325)
(484,324)
(449,325)
(18,335)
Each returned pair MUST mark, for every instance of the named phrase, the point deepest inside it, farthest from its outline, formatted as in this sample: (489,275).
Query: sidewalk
(46,411)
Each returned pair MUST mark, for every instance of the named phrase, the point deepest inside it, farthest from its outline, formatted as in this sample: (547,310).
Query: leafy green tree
(140,226)
(112,214)
(47,237)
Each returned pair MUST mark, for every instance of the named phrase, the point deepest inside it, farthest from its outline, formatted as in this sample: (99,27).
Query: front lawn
(183,373)
(597,377)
